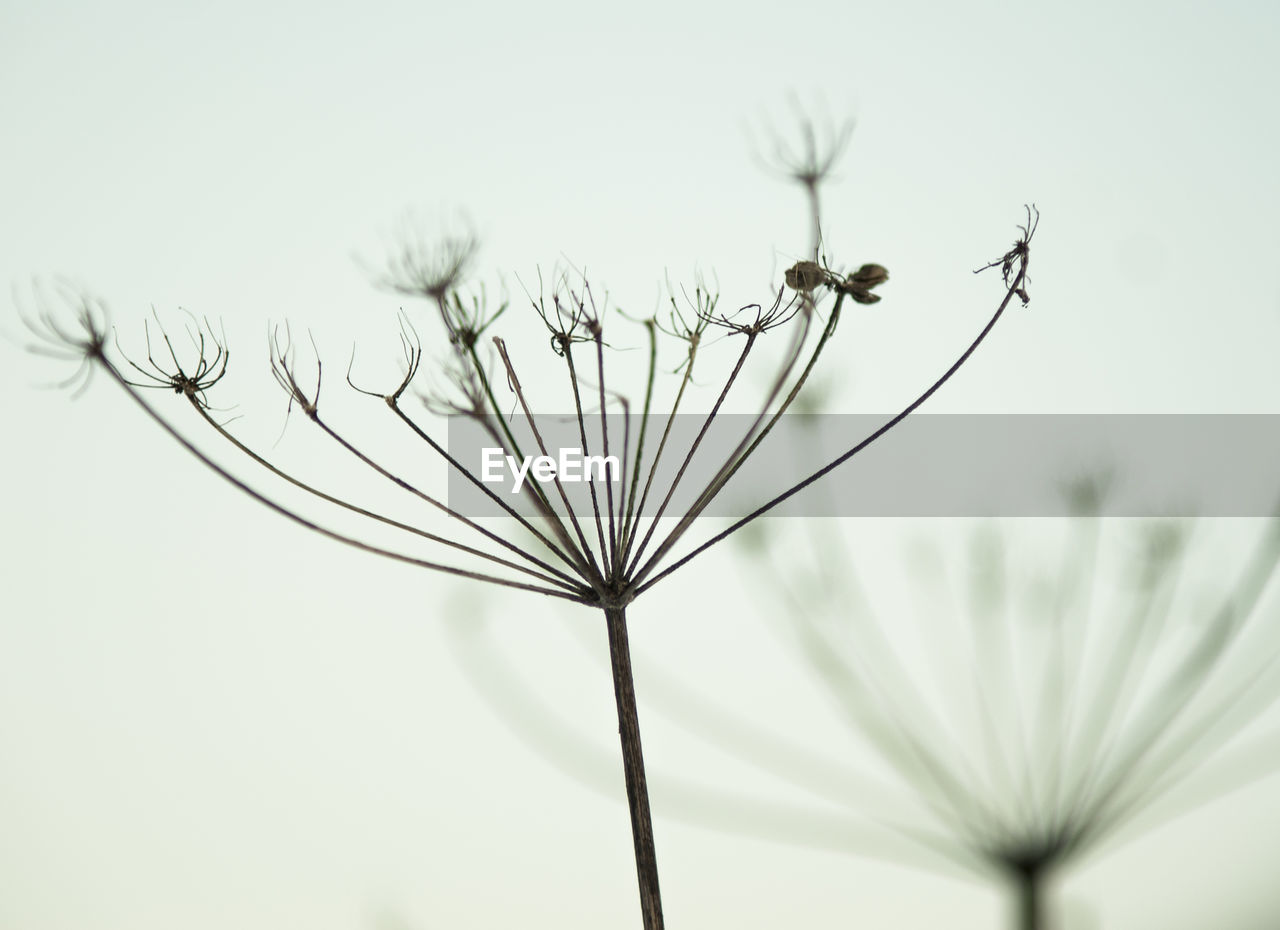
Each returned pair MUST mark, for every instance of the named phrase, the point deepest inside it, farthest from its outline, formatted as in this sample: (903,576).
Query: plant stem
(633,765)
(1030,899)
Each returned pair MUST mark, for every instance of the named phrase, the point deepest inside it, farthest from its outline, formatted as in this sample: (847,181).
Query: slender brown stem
(633,765)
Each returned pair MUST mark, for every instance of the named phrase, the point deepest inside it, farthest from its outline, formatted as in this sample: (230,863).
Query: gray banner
(929,465)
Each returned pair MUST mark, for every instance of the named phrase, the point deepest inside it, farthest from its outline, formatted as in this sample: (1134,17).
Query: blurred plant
(1050,728)
(558,557)
(1045,714)
(807,158)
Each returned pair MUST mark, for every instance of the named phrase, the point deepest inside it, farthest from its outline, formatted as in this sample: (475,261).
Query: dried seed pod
(805,276)
(861,295)
(870,275)
(858,285)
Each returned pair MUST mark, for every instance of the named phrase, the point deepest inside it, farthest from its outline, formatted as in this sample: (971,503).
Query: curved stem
(560,578)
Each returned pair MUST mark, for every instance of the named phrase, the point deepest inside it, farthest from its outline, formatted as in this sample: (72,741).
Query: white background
(209,718)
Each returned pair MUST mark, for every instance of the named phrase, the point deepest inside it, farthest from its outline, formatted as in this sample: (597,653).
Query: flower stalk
(624,691)
(552,553)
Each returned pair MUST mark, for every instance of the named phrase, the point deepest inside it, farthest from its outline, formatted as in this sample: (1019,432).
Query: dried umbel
(614,554)
(1072,697)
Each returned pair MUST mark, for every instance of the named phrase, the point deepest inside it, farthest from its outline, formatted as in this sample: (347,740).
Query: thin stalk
(427,498)
(604,430)
(515,446)
(545,730)
(662,444)
(1126,666)
(696,713)
(282,370)
(815,216)
(514,381)
(993,670)
(875,694)
(413,359)
(605,549)
(693,448)
(1067,657)
(624,403)
(752,439)
(1189,678)
(633,766)
(753,436)
(652,328)
(569,555)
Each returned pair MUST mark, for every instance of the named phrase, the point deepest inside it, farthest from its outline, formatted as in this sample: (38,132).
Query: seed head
(805,276)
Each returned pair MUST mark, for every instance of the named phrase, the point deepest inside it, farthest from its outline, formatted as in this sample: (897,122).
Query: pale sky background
(211,719)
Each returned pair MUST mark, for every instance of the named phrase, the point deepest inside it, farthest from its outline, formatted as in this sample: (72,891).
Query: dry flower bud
(858,285)
(805,276)
(870,275)
(859,294)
